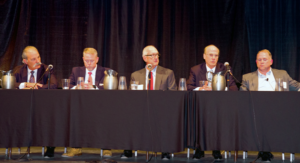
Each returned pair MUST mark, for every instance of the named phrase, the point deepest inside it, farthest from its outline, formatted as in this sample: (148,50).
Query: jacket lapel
(40,72)
(254,81)
(24,76)
(142,78)
(158,78)
(99,75)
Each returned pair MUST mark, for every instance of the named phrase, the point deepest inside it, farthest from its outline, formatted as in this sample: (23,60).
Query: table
(109,119)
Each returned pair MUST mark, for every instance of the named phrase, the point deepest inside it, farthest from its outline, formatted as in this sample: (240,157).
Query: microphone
(149,66)
(227,66)
(50,67)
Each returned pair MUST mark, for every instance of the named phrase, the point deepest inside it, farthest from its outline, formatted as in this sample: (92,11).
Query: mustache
(37,64)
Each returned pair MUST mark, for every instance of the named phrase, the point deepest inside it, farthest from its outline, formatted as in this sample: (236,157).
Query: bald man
(28,74)
(198,73)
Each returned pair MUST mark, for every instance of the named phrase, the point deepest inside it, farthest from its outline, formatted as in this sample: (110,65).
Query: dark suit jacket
(20,73)
(165,78)
(80,72)
(198,73)
(250,80)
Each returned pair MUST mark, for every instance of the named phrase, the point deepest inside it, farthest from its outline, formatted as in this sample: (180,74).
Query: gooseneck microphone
(149,66)
(228,71)
(48,69)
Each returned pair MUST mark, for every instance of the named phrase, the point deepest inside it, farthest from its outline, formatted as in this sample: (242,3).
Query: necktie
(31,80)
(90,80)
(150,83)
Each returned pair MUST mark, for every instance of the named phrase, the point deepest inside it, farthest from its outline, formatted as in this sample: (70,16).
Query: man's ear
(145,58)
(271,61)
(25,61)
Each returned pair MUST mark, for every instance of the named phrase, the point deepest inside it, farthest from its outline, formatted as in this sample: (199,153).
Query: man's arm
(245,84)
(292,84)
(191,82)
(232,85)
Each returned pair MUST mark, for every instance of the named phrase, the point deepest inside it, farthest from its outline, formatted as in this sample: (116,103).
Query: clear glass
(122,83)
(279,84)
(65,83)
(182,84)
(134,85)
(80,81)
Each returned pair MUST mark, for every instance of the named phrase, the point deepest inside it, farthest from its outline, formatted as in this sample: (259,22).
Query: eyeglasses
(153,55)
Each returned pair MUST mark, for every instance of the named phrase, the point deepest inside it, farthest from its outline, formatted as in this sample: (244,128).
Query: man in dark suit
(197,73)
(93,75)
(264,80)
(160,79)
(28,75)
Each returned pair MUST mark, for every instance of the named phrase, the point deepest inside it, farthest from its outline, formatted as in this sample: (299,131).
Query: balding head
(151,55)
(149,49)
(211,56)
(31,57)
(28,49)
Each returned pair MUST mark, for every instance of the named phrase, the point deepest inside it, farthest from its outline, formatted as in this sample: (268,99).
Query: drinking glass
(134,85)
(65,83)
(182,84)
(202,83)
(279,84)
(122,83)
(80,81)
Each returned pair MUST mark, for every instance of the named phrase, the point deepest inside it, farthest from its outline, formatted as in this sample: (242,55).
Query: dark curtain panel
(120,29)
(274,25)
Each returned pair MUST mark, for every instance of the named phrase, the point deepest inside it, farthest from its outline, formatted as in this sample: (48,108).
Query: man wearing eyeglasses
(156,78)
(264,80)
(198,73)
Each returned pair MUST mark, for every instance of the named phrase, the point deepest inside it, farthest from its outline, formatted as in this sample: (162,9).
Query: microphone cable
(148,109)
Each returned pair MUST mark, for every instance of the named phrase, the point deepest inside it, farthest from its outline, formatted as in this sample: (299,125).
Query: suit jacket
(80,72)
(20,73)
(198,73)
(250,80)
(165,78)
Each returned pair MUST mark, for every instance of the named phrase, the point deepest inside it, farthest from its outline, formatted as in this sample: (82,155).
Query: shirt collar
(208,69)
(29,71)
(267,74)
(93,71)
(153,70)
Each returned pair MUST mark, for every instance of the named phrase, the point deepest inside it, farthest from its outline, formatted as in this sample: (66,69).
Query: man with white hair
(154,78)
(28,74)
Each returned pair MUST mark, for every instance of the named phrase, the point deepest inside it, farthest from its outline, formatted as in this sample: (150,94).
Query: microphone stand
(228,71)
(49,77)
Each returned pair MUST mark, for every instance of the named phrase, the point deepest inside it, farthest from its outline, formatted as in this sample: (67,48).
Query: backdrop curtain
(120,29)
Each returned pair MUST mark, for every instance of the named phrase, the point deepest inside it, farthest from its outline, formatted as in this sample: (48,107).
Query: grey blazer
(165,78)
(250,80)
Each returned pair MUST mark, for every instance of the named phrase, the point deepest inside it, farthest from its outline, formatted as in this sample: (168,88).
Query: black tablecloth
(90,118)
(250,121)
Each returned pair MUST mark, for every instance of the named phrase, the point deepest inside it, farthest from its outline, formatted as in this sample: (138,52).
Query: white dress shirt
(266,82)
(153,75)
(22,85)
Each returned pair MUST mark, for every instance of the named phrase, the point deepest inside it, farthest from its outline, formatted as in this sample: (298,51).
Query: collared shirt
(87,75)
(86,78)
(22,85)
(207,69)
(266,82)
(153,75)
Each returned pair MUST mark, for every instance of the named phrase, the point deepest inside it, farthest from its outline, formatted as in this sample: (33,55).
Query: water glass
(182,84)
(80,81)
(134,85)
(122,83)
(65,83)
(202,83)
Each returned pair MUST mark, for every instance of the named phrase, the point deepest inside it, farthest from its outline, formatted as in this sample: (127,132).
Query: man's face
(263,61)
(33,59)
(90,61)
(211,57)
(152,58)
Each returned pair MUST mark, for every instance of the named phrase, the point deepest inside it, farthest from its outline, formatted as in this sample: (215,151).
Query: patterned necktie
(150,83)
(32,80)
(90,80)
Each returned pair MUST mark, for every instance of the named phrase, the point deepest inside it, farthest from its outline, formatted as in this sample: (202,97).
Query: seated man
(264,80)
(198,73)
(27,76)
(93,75)
(161,79)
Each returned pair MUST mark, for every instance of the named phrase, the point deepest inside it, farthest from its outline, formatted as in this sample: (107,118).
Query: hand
(30,85)
(88,86)
(205,87)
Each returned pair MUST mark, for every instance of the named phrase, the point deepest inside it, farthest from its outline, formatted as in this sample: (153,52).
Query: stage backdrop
(180,29)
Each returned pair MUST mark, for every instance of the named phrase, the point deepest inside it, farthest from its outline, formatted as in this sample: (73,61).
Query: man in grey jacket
(264,80)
